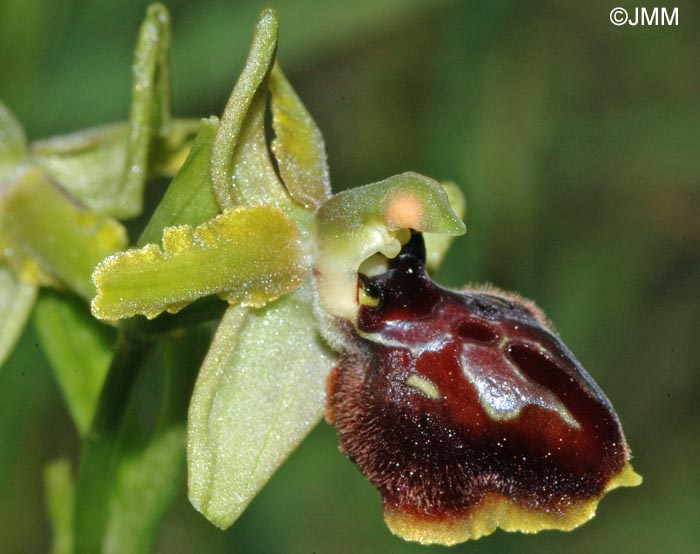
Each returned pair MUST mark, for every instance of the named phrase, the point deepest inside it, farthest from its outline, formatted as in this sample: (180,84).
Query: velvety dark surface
(537,429)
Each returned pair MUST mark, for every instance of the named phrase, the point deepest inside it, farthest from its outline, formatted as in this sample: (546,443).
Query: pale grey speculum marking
(503,390)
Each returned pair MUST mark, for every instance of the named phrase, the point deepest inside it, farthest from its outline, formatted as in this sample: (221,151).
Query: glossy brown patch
(517,436)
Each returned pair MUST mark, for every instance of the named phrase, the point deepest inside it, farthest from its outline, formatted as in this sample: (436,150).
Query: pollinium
(467,412)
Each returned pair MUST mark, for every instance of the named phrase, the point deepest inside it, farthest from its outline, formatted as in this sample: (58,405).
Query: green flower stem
(150,472)
(99,463)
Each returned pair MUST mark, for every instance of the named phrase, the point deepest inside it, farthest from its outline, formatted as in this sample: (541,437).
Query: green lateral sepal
(79,349)
(249,411)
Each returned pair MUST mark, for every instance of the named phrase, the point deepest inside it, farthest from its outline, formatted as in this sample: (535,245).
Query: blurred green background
(577,145)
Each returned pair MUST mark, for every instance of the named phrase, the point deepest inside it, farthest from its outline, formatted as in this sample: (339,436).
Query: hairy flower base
(468,413)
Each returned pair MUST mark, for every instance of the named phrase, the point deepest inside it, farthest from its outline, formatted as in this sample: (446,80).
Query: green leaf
(241,168)
(298,145)
(47,238)
(16,302)
(60,502)
(190,198)
(13,143)
(249,411)
(356,224)
(437,245)
(249,255)
(79,349)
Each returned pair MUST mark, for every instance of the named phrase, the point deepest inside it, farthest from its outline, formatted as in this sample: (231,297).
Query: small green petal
(298,145)
(190,198)
(247,255)
(16,302)
(241,168)
(248,410)
(13,143)
(79,349)
(437,245)
(46,237)
(356,224)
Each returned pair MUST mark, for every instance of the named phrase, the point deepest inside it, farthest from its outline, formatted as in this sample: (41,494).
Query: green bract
(245,221)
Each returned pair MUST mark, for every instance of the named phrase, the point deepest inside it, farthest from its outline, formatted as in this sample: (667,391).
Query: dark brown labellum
(468,413)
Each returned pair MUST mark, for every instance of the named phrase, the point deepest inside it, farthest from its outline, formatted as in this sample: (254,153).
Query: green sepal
(356,224)
(248,412)
(59,491)
(16,302)
(437,245)
(106,168)
(247,255)
(298,145)
(149,120)
(13,142)
(241,168)
(79,349)
(90,164)
(190,198)
(47,238)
